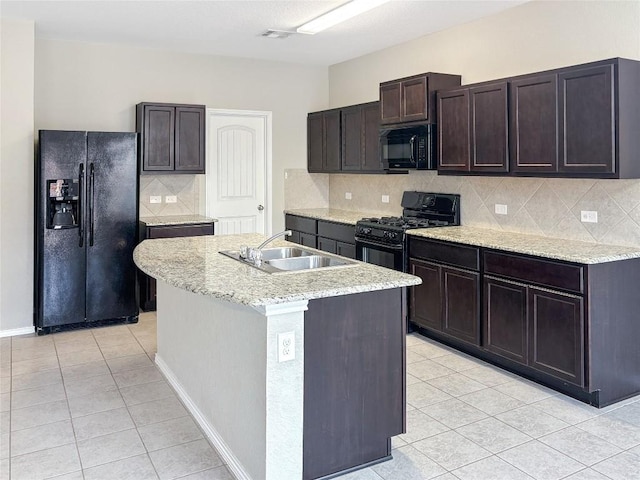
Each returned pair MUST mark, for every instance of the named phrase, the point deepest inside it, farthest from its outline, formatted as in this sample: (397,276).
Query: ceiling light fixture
(338,15)
(280,34)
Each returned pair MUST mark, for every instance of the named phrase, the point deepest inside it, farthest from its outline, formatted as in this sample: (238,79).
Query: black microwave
(408,148)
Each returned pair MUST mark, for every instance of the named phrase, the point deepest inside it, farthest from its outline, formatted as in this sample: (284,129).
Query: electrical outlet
(385,198)
(171,199)
(588,216)
(286,346)
(155,199)
(501,209)
(347,195)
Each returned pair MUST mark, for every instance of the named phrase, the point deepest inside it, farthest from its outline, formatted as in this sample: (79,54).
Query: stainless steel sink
(306,263)
(284,252)
(290,259)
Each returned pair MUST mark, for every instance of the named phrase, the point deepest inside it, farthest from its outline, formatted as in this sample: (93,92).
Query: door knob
(260,208)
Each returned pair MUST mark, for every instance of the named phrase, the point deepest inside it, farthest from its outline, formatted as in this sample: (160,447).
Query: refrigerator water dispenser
(62,204)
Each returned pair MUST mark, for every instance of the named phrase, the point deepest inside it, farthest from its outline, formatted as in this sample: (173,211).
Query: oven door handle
(371,243)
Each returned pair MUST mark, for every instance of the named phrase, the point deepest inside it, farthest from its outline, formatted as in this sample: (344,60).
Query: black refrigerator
(86,229)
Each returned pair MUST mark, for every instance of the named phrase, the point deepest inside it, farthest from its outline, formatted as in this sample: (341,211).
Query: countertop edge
(573,251)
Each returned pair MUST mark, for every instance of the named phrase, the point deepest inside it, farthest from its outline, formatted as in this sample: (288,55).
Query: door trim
(268,190)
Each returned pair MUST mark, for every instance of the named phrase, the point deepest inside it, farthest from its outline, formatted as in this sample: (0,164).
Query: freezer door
(60,257)
(111,225)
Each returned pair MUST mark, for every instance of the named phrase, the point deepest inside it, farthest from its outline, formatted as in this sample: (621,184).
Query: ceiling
(234,28)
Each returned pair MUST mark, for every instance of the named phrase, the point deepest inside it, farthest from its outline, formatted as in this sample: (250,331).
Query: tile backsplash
(305,190)
(186,189)
(549,207)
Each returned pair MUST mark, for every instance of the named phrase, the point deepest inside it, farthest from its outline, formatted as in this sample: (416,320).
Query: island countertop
(537,245)
(195,264)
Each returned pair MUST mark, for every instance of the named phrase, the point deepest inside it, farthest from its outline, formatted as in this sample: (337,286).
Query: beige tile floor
(90,404)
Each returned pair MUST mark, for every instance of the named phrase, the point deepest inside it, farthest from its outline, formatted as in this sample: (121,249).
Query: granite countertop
(333,215)
(176,220)
(194,264)
(548,247)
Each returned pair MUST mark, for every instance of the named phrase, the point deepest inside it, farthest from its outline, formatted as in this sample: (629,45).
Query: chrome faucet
(255,254)
(286,233)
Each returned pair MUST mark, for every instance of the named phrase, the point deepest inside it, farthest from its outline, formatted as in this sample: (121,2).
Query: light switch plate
(501,209)
(385,198)
(589,216)
(347,195)
(155,199)
(286,346)
(171,199)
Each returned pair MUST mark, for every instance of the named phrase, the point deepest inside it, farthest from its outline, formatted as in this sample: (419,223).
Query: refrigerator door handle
(80,206)
(90,196)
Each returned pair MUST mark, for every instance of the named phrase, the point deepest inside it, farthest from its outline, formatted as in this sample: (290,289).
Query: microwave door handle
(412,145)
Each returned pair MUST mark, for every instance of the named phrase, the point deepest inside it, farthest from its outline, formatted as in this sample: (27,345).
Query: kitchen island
(291,375)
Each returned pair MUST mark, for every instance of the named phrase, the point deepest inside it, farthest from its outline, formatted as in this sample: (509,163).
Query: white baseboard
(17,331)
(227,455)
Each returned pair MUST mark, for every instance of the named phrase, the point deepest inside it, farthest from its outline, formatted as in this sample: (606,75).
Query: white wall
(49,84)
(531,37)
(96,87)
(16,176)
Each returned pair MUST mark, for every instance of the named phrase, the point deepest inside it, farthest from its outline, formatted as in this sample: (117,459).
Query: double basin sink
(290,259)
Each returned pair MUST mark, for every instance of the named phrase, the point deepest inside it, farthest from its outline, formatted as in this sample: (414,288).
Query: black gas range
(382,241)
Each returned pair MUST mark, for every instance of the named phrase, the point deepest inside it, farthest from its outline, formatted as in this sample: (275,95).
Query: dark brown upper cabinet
(565,123)
(454,140)
(412,99)
(360,138)
(578,121)
(534,124)
(586,99)
(323,141)
(172,138)
(472,129)
(344,140)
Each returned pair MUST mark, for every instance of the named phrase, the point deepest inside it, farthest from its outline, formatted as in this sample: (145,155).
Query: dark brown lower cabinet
(332,237)
(539,328)
(570,326)
(306,239)
(425,307)
(556,340)
(505,319)
(447,300)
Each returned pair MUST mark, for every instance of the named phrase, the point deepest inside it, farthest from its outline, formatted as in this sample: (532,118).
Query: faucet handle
(244,250)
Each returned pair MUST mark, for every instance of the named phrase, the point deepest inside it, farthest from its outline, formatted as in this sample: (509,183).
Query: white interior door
(238,176)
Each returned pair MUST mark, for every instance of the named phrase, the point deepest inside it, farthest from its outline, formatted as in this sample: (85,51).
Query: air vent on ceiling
(277,34)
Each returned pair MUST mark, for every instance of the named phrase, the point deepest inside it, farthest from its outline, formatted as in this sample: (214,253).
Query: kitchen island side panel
(222,358)
(613,329)
(354,371)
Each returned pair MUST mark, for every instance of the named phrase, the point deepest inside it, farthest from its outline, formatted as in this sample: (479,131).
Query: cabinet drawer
(180,231)
(301,224)
(449,253)
(337,231)
(533,270)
